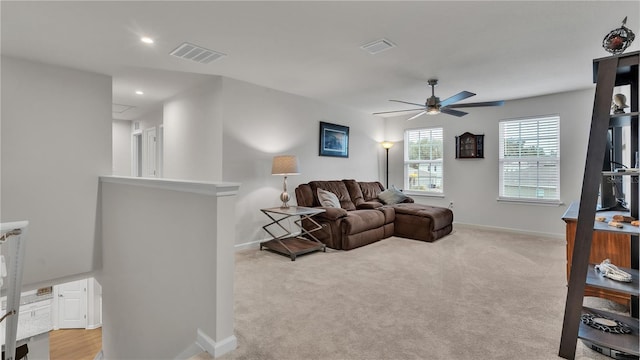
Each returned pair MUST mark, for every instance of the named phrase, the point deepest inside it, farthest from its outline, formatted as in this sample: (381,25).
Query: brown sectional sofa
(362,219)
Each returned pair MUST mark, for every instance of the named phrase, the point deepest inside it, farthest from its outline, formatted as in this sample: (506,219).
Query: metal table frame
(304,241)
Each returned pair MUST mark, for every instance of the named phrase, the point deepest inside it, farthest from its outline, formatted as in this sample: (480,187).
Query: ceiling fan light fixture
(433,105)
(433,110)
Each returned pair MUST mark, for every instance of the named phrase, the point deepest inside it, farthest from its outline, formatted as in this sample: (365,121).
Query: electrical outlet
(450,204)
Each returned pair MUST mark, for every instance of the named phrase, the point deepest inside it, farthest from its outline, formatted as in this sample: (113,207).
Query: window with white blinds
(530,159)
(423,160)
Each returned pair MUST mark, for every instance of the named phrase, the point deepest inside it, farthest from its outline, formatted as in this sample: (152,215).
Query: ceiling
(497,49)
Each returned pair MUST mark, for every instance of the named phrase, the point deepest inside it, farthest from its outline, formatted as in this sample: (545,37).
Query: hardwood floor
(76,344)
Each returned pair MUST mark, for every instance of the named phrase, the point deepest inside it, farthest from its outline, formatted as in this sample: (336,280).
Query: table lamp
(285,165)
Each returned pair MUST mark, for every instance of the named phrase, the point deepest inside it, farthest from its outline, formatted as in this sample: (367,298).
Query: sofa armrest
(331,213)
(369,205)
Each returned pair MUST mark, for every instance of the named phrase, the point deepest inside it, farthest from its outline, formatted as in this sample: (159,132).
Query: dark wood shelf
(609,72)
(626,228)
(619,120)
(627,343)
(297,245)
(596,280)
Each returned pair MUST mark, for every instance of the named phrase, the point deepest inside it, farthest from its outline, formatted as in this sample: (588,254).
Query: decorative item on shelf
(285,165)
(619,103)
(334,140)
(469,146)
(618,40)
(387,145)
(604,323)
(608,270)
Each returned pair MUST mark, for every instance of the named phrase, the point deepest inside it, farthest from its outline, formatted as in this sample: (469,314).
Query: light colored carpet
(475,294)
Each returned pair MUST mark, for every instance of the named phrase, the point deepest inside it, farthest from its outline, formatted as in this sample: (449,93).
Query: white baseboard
(99,355)
(515,231)
(256,243)
(93,326)
(249,245)
(193,350)
(216,349)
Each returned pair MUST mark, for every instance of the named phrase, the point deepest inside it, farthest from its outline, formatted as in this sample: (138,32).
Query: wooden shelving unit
(608,73)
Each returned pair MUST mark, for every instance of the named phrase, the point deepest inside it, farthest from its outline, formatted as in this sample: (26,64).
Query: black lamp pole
(387,167)
(387,145)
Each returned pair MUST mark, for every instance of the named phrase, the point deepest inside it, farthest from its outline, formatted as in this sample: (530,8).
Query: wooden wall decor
(469,146)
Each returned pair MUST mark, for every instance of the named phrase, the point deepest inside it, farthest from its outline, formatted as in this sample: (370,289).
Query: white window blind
(423,160)
(530,159)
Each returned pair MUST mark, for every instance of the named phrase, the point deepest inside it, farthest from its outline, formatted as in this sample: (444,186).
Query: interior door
(72,305)
(150,152)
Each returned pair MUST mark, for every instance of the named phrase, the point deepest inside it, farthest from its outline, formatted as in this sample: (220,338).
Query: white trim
(248,245)
(510,230)
(150,152)
(94,326)
(8,226)
(424,193)
(99,355)
(160,157)
(216,349)
(198,187)
(193,350)
(540,202)
(256,243)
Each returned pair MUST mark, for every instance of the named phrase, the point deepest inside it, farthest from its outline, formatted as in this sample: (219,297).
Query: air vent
(378,46)
(120,108)
(196,53)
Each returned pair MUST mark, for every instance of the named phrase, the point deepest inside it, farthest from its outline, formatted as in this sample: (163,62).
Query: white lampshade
(285,165)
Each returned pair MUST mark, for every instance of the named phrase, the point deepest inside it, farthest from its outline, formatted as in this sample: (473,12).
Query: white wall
(472,184)
(56,141)
(153,118)
(260,123)
(168,267)
(230,130)
(193,134)
(121,148)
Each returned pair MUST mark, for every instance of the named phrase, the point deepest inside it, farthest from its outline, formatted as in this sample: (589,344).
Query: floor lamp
(387,145)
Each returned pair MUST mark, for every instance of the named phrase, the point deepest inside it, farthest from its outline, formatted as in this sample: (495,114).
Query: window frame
(437,192)
(555,159)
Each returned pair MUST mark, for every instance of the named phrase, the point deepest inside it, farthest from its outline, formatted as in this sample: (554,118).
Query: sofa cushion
(358,221)
(328,199)
(369,205)
(370,190)
(440,217)
(338,188)
(392,196)
(304,196)
(354,192)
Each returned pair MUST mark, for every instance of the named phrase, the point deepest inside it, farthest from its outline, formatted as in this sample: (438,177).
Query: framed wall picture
(334,140)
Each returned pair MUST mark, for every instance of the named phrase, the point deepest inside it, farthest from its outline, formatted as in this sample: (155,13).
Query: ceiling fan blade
(478,104)
(453,112)
(395,111)
(410,103)
(416,115)
(457,97)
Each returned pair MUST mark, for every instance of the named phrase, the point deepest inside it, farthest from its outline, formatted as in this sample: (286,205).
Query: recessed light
(146,40)
(139,92)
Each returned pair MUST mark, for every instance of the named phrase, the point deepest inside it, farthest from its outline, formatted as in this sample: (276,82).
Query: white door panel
(72,305)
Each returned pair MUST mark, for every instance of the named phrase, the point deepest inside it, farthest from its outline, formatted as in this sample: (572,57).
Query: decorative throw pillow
(328,199)
(392,196)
